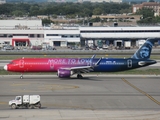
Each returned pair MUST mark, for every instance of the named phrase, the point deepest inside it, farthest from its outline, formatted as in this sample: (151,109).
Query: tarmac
(96,97)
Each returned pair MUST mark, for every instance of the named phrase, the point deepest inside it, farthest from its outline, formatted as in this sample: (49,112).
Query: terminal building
(27,33)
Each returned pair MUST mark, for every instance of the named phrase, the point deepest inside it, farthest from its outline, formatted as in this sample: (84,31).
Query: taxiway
(98,97)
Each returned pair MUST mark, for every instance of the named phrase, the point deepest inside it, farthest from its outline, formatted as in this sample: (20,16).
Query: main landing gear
(21,77)
(79,76)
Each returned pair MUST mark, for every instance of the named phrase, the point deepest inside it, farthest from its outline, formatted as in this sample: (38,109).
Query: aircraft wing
(84,69)
(81,69)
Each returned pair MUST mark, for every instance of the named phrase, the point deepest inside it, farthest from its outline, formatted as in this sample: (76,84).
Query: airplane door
(21,63)
(51,64)
(129,63)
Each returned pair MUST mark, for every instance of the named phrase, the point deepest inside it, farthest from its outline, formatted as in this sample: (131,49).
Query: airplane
(66,67)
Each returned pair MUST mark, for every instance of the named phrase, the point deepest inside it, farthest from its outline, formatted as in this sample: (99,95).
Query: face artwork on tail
(144,53)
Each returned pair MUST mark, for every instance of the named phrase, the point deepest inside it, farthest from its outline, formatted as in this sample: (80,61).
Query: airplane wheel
(79,76)
(21,77)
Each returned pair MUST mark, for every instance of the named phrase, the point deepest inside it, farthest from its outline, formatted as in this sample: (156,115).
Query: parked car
(76,48)
(51,48)
(8,47)
(99,48)
(69,46)
(94,48)
(39,47)
(105,47)
(86,48)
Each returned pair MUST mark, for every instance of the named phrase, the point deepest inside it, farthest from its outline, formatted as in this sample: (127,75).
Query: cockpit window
(11,63)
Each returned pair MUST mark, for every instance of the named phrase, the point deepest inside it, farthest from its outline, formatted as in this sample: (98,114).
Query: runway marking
(19,84)
(68,106)
(2,103)
(57,87)
(44,88)
(141,91)
(24,90)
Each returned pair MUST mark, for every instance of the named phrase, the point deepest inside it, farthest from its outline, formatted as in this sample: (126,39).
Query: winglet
(93,56)
(145,50)
(91,61)
(98,62)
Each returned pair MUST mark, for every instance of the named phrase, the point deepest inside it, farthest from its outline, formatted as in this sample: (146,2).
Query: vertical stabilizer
(145,50)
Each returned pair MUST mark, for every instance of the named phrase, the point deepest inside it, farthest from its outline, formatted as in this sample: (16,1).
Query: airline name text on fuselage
(69,61)
(75,61)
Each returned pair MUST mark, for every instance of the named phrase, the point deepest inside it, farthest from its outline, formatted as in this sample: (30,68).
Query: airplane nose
(5,67)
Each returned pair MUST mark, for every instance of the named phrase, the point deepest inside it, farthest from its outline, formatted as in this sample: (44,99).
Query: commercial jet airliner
(66,67)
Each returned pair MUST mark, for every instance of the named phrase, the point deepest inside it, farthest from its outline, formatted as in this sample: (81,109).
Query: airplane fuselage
(66,67)
(54,64)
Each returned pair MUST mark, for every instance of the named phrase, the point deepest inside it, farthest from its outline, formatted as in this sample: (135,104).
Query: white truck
(1,45)
(127,44)
(139,43)
(25,101)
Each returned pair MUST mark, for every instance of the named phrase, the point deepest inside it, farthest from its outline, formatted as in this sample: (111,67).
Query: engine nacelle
(62,73)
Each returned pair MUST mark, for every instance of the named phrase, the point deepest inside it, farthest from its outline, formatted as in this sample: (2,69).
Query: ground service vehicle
(26,101)
(139,43)
(127,44)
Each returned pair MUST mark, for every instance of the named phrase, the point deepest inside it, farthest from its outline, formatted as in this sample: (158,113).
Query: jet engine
(62,73)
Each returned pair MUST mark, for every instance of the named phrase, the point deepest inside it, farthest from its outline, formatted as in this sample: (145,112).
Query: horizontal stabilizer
(142,63)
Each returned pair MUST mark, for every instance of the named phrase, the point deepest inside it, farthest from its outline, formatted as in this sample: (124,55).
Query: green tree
(85,9)
(146,12)
(18,13)
(148,16)
(46,22)
(97,11)
(34,10)
(97,19)
(6,8)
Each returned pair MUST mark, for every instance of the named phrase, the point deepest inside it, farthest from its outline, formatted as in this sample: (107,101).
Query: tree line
(148,16)
(85,9)
(75,10)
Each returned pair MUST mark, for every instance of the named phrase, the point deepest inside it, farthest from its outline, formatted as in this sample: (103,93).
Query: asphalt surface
(98,97)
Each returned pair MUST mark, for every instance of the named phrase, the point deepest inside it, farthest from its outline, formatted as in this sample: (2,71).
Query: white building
(21,24)
(31,33)
(119,32)
(107,35)
(61,37)
(23,37)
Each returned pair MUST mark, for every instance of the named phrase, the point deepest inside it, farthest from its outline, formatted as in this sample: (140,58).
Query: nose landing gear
(21,77)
